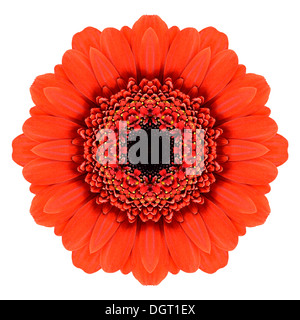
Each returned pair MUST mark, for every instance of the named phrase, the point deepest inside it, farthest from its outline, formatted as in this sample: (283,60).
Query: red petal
(253,128)
(214,39)
(37,89)
(67,103)
(86,39)
(178,56)
(78,69)
(22,150)
(233,103)
(194,226)
(278,147)
(263,89)
(42,82)
(149,58)
(256,81)
(240,72)
(149,242)
(45,128)
(172,266)
(152,279)
(88,262)
(51,220)
(213,261)
(37,208)
(105,228)
(127,33)
(43,171)
(105,72)
(249,220)
(36,188)
(254,171)
(183,251)
(222,68)
(258,197)
(231,196)
(62,150)
(221,230)
(117,250)
(127,266)
(71,195)
(172,34)
(116,48)
(60,75)
(194,72)
(262,111)
(263,188)
(238,150)
(240,228)
(158,274)
(78,231)
(159,27)
(38,111)
(254,219)
(59,227)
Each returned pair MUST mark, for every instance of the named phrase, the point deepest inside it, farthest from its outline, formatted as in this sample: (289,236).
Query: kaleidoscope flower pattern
(150,219)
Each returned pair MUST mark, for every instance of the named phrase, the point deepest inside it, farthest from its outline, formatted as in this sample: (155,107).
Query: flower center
(135,156)
(155,150)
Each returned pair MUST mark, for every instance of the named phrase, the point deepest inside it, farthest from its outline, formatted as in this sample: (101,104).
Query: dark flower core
(149,190)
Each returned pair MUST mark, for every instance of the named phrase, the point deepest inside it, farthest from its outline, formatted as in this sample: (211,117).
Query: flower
(149,219)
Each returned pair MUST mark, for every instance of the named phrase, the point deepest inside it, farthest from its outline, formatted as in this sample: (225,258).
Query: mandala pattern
(150,219)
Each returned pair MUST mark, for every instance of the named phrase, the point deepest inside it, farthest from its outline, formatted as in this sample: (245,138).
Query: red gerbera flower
(150,219)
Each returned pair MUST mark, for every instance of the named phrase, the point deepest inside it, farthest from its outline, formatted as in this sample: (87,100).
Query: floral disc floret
(149,191)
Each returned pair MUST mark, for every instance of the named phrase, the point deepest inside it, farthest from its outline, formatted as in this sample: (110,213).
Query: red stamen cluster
(149,191)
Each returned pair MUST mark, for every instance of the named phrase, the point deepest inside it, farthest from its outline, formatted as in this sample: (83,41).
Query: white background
(34,36)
